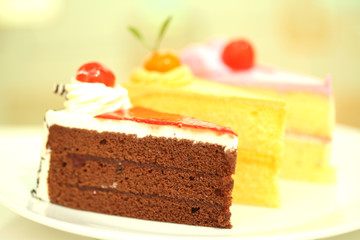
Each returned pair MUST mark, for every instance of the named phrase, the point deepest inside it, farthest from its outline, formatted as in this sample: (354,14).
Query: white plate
(309,210)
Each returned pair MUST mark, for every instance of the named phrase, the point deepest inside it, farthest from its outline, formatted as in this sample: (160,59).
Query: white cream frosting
(76,120)
(95,98)
(42,187)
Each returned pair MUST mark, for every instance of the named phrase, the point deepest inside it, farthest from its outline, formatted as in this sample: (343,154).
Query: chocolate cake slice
(139,163)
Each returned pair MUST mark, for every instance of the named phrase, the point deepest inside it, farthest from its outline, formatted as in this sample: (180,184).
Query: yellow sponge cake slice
(308,133)
(259,123)
(310,104)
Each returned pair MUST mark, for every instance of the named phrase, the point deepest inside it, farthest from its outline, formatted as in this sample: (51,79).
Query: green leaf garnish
(160,36)
(161,33)
(138,35)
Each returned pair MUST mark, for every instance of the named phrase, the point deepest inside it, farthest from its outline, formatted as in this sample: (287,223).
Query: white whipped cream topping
(95,98)
(74,120)
(42,187)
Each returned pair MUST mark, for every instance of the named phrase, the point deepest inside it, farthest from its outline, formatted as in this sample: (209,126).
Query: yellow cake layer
(307,159)
(259,123)
(256,184)
(308,113)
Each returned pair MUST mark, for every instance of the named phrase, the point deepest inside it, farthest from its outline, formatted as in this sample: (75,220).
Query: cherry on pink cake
(310,103)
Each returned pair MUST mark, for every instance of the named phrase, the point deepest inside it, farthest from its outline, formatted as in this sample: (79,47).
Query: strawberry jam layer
(148,116)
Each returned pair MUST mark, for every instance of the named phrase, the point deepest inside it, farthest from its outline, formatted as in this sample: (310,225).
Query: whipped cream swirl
(95,98)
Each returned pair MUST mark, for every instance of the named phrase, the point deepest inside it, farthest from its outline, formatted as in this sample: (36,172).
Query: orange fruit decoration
(160,62)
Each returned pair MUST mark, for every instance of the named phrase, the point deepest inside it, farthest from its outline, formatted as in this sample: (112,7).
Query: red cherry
(238,55)
(94,72)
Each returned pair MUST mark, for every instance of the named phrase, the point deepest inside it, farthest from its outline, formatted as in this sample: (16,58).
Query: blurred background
(43,42)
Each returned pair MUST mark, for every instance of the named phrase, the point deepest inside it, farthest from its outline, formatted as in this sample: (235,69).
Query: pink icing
(205,62)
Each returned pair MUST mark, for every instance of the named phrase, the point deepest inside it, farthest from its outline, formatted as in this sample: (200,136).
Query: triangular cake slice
(135,162)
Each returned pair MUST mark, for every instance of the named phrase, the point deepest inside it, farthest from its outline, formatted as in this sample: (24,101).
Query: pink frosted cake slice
(310,106)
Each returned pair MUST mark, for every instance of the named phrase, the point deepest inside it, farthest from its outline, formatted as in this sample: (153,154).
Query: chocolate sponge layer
(152,178)
(144,206)
(165,152)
